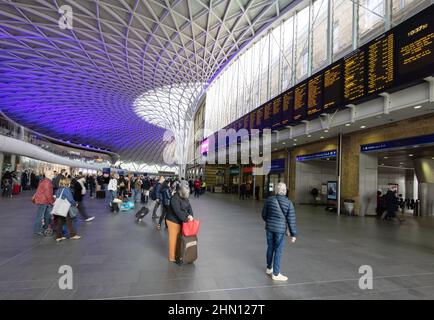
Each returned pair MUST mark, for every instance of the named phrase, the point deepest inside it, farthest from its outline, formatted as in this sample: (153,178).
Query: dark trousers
(163,214)
(197,193)
(154,212)
(60,221)
(82,210)
(92,190)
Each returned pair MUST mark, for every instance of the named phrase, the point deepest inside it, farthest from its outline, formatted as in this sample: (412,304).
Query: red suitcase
(16,189)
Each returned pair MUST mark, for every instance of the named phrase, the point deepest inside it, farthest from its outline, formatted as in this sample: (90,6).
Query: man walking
(157,196)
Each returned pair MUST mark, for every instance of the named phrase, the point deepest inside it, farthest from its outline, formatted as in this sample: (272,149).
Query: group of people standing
(198,186)
(63,186)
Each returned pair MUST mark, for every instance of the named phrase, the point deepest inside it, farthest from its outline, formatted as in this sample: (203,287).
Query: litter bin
(349,206)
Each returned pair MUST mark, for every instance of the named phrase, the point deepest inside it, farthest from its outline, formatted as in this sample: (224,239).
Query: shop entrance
(316,178)
(404,166)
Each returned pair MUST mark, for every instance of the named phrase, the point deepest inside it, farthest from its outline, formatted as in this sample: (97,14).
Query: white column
(1,163)
(13,159)
(368,183)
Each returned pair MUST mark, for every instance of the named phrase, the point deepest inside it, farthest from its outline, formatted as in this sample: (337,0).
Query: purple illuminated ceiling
(81,84)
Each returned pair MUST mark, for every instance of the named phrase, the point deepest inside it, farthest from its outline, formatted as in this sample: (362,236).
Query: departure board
(415,46)
(314,95)
(267,115)
(300,102)
(260,117)
(277,113)
(354,76)
(380,63)
(247,122)
(333,84)
(287,107)
(253,120)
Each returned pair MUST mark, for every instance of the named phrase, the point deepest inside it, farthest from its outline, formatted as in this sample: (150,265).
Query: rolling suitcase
(100,194)
(186,251)
(141,214)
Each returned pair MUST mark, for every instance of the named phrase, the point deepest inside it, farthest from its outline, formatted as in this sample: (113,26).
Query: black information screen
(333,85)
(267,115)
(415,47)
(380,63)
(354,75)
(314,95)
(253,120)
(287,107)
(277,113)
(300,102)
(260,117)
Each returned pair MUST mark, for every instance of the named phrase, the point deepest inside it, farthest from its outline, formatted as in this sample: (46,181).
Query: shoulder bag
(61,206)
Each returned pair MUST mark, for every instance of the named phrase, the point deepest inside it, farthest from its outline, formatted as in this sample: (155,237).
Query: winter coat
(278,213)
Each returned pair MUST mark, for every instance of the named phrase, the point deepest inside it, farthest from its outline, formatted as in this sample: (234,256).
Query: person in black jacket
(392,205)
(78,191)
(179,211)
(166,195)
(279,216)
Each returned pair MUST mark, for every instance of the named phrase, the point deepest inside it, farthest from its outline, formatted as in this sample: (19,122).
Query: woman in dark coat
(179,211)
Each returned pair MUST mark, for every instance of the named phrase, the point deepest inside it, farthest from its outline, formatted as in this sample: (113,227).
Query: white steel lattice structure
(125,72)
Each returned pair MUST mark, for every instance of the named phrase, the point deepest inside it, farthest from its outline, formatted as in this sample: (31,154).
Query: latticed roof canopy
(125,71)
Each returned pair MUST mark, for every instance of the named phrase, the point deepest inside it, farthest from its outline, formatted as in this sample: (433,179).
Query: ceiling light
(418,107)
(295,139)
(283,142)
(382,164)
(348,124)
(411,155)
(309,136)
(322,137)
(362,127)
(386,157)
(295,144)
(326,131)
(275,149)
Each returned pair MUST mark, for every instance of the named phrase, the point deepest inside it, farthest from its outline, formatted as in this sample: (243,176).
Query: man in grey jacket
(278,214)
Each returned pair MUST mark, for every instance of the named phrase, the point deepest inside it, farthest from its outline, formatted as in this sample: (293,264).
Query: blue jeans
(112,195)
(137,195)
(42,218)
(275,243)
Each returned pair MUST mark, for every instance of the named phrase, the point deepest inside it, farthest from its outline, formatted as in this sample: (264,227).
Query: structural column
(2,157)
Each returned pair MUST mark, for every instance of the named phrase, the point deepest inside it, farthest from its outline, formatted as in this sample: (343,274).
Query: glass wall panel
(287,46)
(264,63)
(301,61)
(319,29)
(371,19)
(342,27)
(275,50)
(403,9)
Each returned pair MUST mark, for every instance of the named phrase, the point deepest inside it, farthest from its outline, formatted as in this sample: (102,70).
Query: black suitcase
(141,214)
(100,194)
(186,251)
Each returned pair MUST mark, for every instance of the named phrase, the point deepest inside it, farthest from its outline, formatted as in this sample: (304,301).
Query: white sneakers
(89,219)
(76,237)
(279,277)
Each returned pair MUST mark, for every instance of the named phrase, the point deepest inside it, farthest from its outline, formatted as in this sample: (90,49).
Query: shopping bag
(61,206)
(190,228)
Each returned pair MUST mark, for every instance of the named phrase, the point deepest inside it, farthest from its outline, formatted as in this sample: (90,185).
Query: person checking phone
(279,216)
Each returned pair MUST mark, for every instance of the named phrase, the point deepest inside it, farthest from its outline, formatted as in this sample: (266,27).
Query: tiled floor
(118,259)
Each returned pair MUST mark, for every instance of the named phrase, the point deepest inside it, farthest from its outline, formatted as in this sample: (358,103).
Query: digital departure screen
(277,113)
(380,63)
(354,75)
(333,84)
(260,118)
(253,120)
(287,107)
(247,122)
(314,95)
(267,115)
(400,57)
(415,46)
(300,102)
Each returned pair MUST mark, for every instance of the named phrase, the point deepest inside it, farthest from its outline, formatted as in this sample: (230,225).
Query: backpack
(196,184)
(153,194)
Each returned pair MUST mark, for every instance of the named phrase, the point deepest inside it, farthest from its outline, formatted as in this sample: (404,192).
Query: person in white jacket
(113,187)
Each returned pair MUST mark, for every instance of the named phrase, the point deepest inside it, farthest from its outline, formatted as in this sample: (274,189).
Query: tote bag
(190,228)
(61,206)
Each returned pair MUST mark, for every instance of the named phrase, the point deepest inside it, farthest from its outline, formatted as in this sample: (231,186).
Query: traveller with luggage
(112,188)
(156,196)
(64,194)
(44,199)
(179,211)
(166,195)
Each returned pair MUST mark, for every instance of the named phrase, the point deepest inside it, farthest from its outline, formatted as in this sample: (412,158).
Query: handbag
(61,206)
(190,228)
(287,233)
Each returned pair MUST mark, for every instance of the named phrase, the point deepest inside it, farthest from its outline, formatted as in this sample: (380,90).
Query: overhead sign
(318,155)
(400,143)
